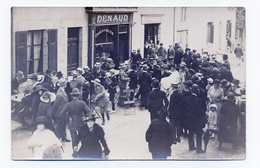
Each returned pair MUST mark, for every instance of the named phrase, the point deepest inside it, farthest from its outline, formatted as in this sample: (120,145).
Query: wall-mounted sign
(104,30)
(112,18)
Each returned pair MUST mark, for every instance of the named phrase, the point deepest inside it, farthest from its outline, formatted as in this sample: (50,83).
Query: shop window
(210,35)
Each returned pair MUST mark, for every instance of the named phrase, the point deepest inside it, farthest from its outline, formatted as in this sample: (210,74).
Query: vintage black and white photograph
(128,83)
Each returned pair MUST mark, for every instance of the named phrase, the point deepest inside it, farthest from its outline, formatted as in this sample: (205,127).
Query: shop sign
(104,30)
(112,18)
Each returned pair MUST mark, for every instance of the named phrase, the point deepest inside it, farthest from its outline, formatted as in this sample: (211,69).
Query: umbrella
(206,139)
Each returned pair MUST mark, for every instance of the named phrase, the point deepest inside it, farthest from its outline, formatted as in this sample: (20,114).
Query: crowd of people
(195,93)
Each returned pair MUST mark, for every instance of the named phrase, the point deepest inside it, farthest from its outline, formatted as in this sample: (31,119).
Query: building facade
(205,29)
(62,39)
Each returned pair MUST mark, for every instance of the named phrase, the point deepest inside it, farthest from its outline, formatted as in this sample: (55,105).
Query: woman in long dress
(91,136)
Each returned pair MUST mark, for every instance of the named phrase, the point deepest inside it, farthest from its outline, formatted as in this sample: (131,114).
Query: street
(125,136)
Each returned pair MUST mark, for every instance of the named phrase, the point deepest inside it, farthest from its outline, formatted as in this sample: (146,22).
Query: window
(183,14)
(30,55)
(34,52)
(210,35)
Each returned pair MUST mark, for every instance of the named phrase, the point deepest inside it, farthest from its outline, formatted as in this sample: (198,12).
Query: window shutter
(21,52)
(52,49)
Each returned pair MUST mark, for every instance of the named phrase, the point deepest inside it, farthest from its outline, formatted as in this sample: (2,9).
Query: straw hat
(40,78)
(48,97)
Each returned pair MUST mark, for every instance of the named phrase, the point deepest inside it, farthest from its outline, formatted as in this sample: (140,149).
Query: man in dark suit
(154,69)
(176,118)
(61,99)
(156,99)
(145,81)
(133,79)
(170,53)
(162,51)
(159,136)
(76,110)
(239,53)
(195,118)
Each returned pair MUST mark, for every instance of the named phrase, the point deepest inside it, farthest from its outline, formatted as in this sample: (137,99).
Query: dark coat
(162,52)
(171,53)
(76,110)
(133,79)
(61,100)
(192,108)
(187,59)
(14,85)
(156,72)
(196,65)
(178,56)
(156,99)
(226,74)
(160,137)
(100,75)
(90,141)
(45,109)
(175,106)
(145,82)
(228,122)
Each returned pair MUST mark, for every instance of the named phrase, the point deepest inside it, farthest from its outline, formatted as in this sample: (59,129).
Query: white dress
(46,138)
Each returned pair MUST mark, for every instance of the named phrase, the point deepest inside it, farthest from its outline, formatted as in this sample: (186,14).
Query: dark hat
(216,81)
(236,81)
(34,77)
(155,83)
(27,90)
(194,87)
(230,96)
(75,91)
(41,119)
(187,49)
(48,71)
(188,83)
(163,112)
(59,74)
(192,71)
(194,78)
(89,117)
(39,87)
(223,82)
(145,67)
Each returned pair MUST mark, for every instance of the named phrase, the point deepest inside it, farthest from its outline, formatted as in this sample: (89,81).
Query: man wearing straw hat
(61,100)
(76,110)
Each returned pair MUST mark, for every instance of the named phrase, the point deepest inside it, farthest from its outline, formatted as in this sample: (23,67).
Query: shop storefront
(110,35)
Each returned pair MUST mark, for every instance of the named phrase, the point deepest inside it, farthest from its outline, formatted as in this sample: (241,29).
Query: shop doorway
(73,49)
